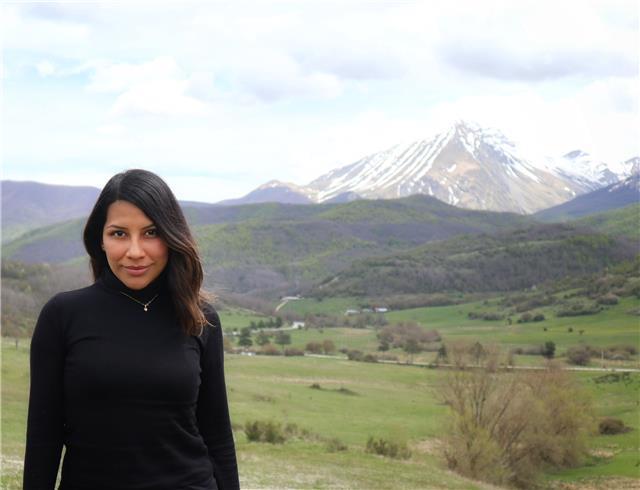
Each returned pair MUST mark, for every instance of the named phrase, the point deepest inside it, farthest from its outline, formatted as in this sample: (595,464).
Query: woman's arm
(45,423)
(213,409)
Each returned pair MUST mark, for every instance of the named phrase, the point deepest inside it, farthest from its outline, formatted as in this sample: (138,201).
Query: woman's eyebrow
(124,227)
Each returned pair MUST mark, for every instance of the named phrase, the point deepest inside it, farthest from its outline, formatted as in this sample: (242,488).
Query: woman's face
(135,252)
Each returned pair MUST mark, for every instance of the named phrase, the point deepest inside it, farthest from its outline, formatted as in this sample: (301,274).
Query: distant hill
(273,191)
(53,244)
(614,196)
(504,261)
(29,205)
(276,248)
(618,222)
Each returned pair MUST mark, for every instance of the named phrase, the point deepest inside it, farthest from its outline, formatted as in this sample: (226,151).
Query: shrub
(314,347)
(622,352)
(370,358)
(580,355)
(611,426)
(506,428)
(489,317)
(387,357)
(614,378)
(354,355)
(608,299)
(269,350)
(578,309)
(346,391)
(264,431)
(335,445)
(525,318)
(292,351)
(328,346)
(315,386)
(387,448)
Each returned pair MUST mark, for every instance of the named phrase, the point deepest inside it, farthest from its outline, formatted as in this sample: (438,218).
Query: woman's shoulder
(69,299)
(211,315)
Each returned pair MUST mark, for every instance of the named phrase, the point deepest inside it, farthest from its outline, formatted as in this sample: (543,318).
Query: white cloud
(45,68)
(526,41)
(290,90)
(156,87)
(158,97)
(273,76)
(118,77)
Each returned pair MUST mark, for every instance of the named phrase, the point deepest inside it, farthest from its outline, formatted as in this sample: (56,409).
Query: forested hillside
(505,261)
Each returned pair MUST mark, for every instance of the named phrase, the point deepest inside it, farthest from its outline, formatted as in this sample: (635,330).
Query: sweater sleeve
(213,410)
(45,421)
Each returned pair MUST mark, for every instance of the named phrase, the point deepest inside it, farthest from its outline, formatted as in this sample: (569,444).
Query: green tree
(245,337)
(282,339)
(412,347)
(262,338)
(549,349)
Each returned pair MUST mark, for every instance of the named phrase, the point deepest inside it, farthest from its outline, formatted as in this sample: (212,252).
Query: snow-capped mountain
(614,196)
(632,166)
(470,167)
(582,167)
(466,166)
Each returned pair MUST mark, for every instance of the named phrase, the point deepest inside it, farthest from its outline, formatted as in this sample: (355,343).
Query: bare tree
(506,427)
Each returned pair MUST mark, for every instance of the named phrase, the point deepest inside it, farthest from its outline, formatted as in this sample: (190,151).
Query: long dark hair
(154,198)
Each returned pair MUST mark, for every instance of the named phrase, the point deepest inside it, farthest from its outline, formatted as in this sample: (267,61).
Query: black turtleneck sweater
(136,402)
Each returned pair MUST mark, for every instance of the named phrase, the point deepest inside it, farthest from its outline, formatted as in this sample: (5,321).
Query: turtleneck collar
(110,281)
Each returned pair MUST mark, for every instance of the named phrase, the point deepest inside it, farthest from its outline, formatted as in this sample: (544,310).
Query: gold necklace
(145,305)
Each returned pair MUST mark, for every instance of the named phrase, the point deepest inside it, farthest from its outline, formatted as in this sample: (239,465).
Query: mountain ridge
(467,166)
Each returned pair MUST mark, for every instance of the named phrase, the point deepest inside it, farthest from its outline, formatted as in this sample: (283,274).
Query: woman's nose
(135,250)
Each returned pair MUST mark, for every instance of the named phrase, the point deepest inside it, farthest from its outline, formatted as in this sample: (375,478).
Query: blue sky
(220,97)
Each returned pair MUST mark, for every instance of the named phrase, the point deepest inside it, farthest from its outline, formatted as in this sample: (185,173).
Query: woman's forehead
(124,212)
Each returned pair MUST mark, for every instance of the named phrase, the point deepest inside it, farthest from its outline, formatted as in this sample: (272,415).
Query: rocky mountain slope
(614,196)
(466,166)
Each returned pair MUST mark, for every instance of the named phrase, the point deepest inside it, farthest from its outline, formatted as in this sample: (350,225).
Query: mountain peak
(576,154)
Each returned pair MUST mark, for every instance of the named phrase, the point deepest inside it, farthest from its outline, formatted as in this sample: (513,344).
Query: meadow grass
(327,306)
(615,325)
(237,319)
(354,401)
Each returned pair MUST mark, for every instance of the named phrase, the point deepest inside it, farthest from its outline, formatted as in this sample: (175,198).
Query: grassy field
(615,325)
(236,319)
(355,401)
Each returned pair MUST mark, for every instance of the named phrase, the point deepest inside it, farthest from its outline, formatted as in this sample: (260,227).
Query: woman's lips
(137,271)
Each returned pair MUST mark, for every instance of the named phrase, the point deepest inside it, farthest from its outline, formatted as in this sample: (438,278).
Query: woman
(128,373)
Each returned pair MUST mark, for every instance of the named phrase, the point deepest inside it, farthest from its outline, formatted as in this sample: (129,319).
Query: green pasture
(326,306)
(355,401)
(236,319)
(363,339)
(615,325)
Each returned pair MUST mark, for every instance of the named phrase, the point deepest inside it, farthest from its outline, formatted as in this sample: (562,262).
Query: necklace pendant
(145,308)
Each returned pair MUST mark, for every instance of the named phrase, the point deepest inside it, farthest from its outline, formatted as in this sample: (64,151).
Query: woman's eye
(118,233)
(152,233)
